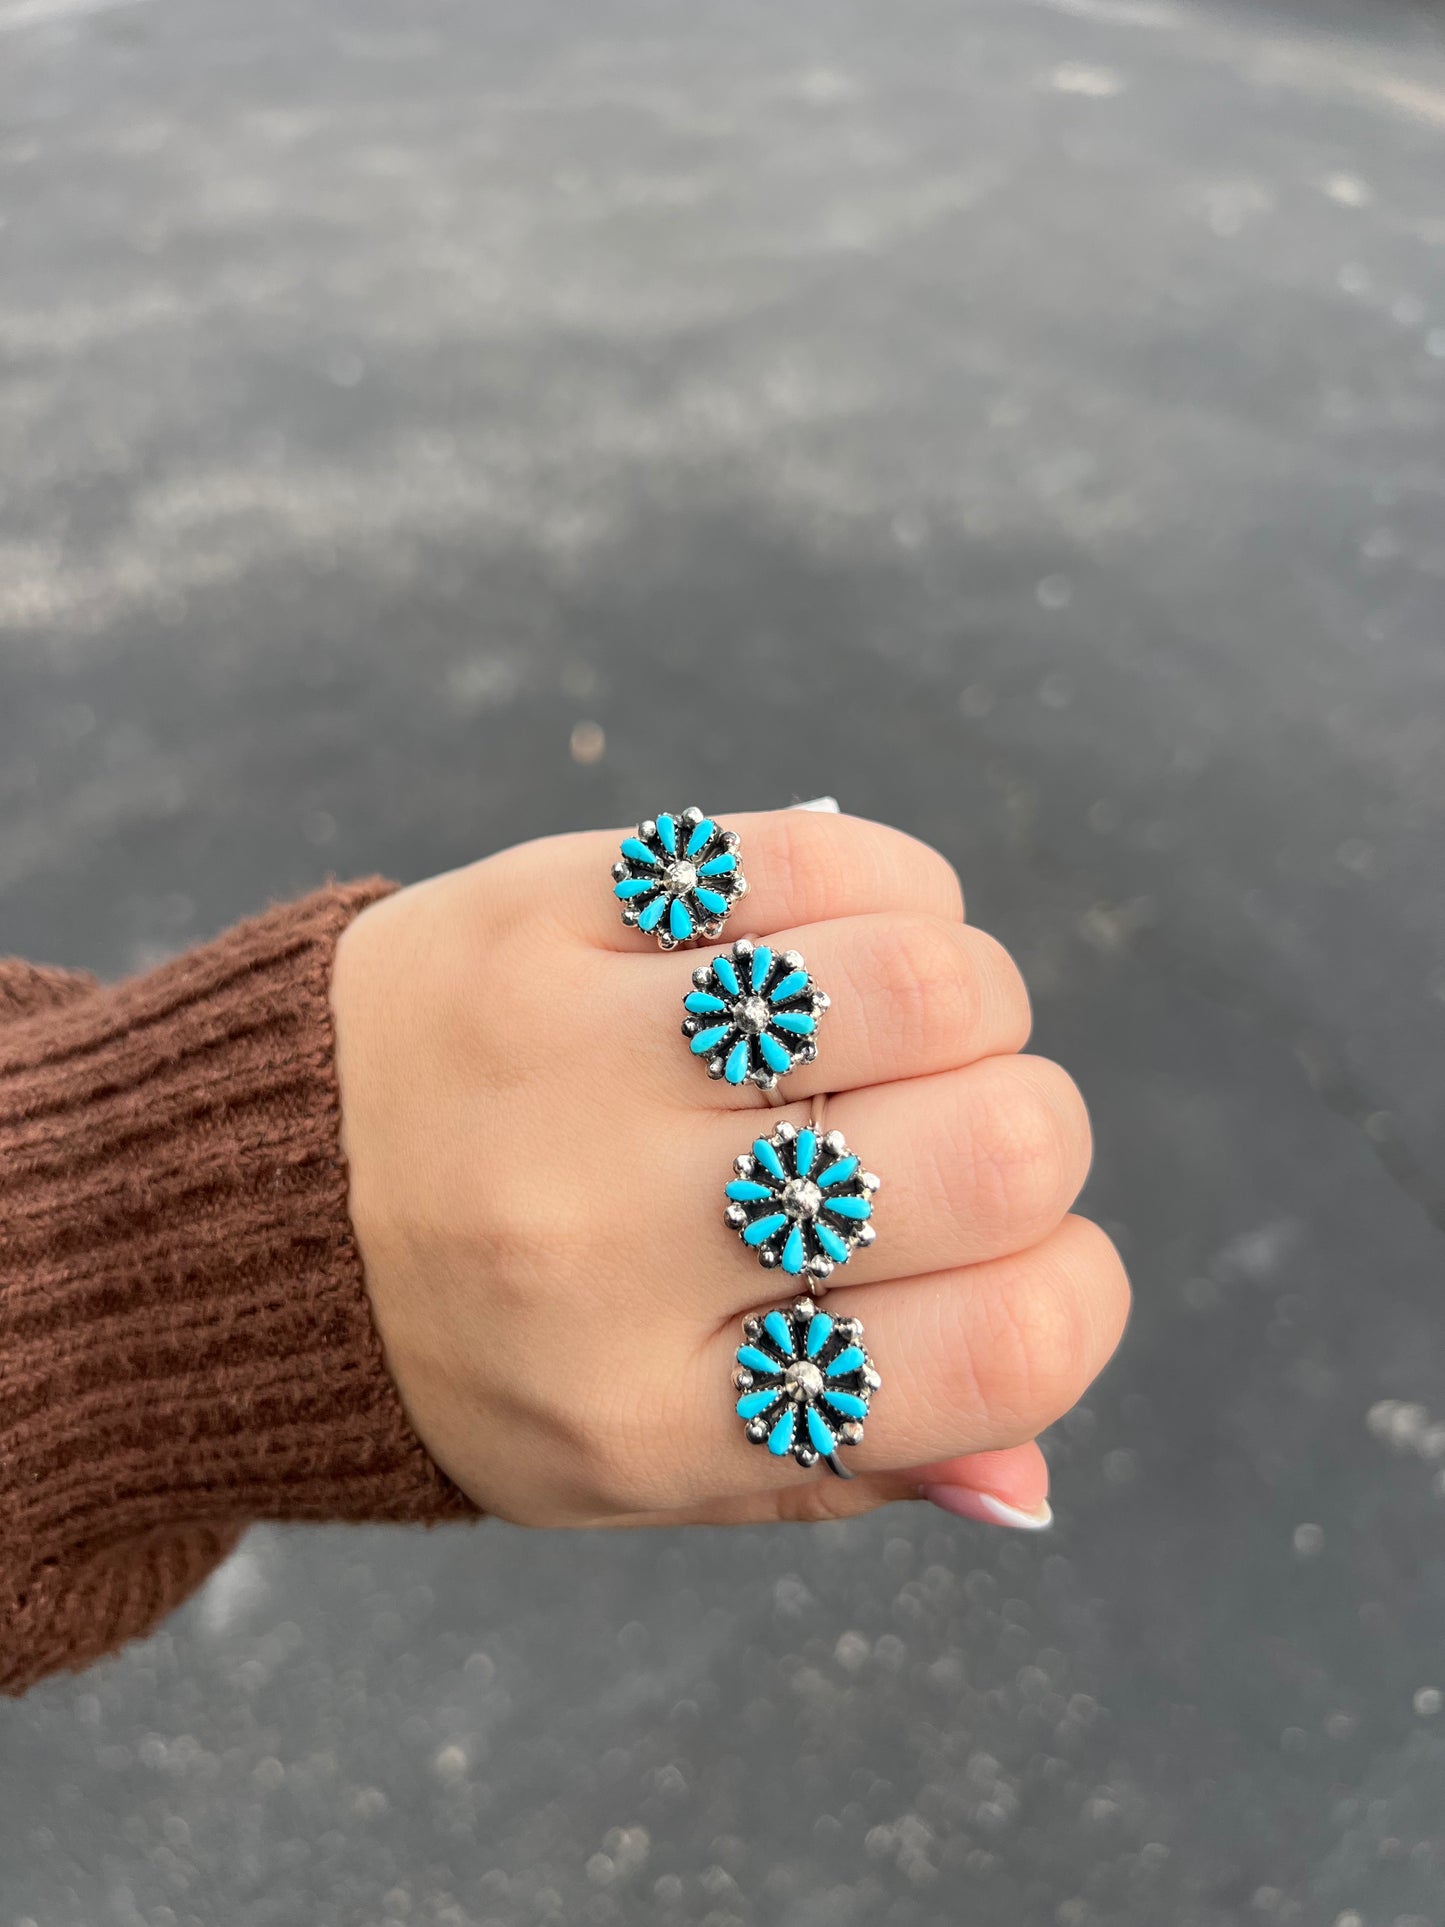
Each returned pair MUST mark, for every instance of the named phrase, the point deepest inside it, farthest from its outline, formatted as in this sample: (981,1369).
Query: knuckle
(919,987)
(1031,1151)
(1002,992)
(808,859)
(1050,1331)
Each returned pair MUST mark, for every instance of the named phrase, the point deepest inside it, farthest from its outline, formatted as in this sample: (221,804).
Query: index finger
(802,866)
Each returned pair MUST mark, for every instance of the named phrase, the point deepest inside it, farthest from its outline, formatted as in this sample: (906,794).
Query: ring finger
(975,1163)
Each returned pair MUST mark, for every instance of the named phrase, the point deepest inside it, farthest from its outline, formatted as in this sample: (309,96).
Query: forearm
(185,1339)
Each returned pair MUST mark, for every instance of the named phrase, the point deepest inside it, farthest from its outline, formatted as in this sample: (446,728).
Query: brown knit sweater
(185,1339)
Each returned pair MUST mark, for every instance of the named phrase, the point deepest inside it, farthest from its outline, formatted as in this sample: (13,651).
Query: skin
(537,1169)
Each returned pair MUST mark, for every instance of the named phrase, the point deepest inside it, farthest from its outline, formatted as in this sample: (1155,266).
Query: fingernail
(964,1503)
(828,804)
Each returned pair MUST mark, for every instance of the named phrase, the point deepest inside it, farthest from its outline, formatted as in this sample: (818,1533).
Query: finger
(1008,1488)
(801,867)
(907,995)
(971,1361)
(973,1164)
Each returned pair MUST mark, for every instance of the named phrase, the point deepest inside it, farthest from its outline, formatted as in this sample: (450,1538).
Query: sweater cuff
(185,1335)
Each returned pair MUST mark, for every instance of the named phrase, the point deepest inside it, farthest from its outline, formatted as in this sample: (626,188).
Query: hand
(537,1171)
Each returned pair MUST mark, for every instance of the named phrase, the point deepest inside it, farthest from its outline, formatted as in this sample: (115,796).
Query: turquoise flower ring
(800,1201)
(753,1016)
(804,1383)
(678,878)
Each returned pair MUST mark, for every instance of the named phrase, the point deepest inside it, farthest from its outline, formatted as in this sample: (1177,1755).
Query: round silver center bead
(681,877)
(751,1015)
(804,1380)
(801,1198)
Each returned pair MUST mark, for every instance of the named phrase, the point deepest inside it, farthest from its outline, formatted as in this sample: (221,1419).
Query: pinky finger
(1007,1488)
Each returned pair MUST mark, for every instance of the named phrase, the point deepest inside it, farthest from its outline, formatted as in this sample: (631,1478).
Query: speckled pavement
(425,424)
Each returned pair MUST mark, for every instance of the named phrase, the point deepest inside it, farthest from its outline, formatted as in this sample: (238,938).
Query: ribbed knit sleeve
(185,1340)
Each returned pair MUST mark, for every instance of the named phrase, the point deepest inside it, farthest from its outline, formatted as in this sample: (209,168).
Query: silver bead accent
(647,829)
(871,1379)
(806,1456)
(756,1430)
(735,1217)
(869,1182)
(786,1131)
(867,1235)
(836,1143)
(742,1378)
(851,1432)
(692,816)
(820,1267)
(716,1066)
(745,1164)
(752,1325)
(702,976)
(792,960)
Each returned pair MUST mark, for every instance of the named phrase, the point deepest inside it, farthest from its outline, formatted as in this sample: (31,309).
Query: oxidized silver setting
(805,1383)
(800,1201)
(753,1015)
(679,877)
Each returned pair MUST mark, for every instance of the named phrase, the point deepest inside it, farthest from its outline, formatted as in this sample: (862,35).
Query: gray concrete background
(1023,420)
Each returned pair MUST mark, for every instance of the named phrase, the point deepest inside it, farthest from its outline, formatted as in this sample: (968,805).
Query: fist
(538,1166)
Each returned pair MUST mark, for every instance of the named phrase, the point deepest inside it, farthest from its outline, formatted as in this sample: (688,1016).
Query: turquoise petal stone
(768,1158)
(791,986)
(679,920)
(634,887)
(836,1173)
(742,1191)
(759,1233)
(638,852)
(796,1021)
(850,1359)
(794,1252)
(780,1439)
(736,1068)
(820,1433)
(702,1003)
(719,866)
(752,1403)
(774,1055)
(807,1151)
(837,1248)
(722,969)
(711,901)
(780,1331)
(847,1404)
(762,964)
(849,1207)
(757,1361)
(709,1039)
(701,836)
(652,915)
(667,832)
(820,1330)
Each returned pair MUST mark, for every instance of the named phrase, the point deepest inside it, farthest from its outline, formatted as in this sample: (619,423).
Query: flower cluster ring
(679,877)
(753,1015)
(801,1201)
(805,1382)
